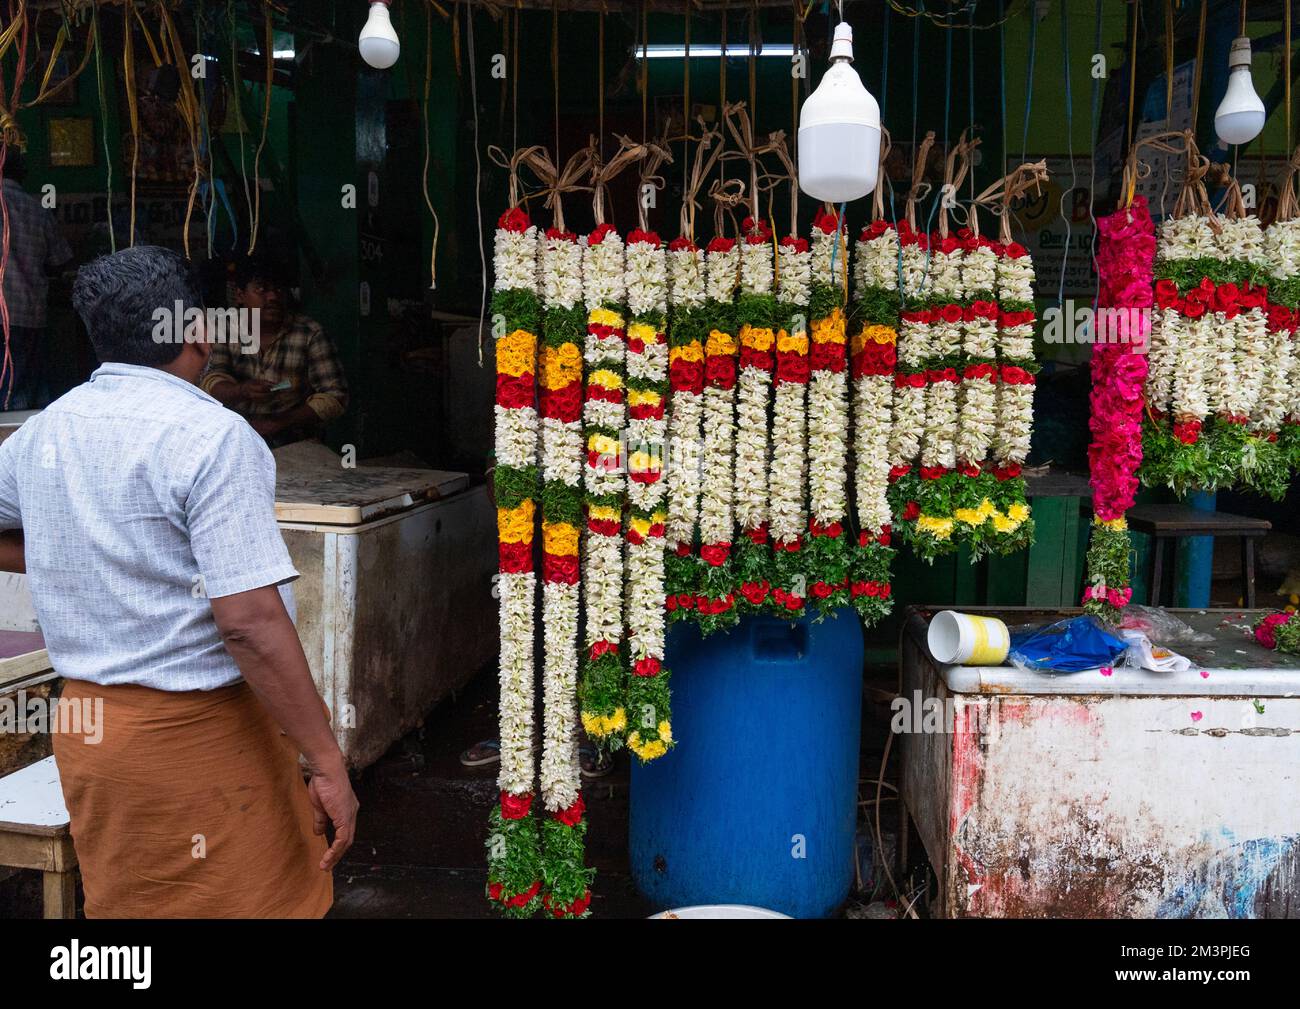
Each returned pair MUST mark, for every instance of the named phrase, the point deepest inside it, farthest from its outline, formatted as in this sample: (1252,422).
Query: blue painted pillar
(1196,559)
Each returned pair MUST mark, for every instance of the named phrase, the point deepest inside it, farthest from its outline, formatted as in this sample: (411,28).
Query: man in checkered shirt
(293,384)
(35,250)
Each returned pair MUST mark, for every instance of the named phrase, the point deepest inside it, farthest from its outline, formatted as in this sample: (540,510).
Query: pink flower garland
(1125,257)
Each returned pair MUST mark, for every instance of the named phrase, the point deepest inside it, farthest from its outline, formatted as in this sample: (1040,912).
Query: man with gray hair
(159,577)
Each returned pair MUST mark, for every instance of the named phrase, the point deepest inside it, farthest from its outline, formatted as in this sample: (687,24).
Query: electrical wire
(1069,147)
(478,183)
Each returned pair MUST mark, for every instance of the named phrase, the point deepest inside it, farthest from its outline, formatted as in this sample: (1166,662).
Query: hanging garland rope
(268,55)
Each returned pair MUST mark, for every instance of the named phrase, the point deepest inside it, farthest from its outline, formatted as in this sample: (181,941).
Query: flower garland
(715,596)
(647,701)
(603,689)
(756,319)
(513,846)
(910,379)
(566,880)
(1213,407)
(788,475)
(1016,383)
(1282,249)
(1125,261)
(873,355)
(1279,631)
(686,335)
(827,556)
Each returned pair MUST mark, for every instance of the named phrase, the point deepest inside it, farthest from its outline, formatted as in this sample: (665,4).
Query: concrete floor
(419,849)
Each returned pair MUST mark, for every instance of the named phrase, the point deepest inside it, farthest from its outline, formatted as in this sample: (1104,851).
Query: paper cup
(965,640)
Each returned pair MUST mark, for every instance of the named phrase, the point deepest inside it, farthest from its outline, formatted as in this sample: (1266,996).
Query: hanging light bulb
(839,130)
(378,42)
(1240,116)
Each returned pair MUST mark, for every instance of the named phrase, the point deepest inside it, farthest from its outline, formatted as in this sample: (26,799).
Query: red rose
(515,219)
(686,601)
(950,313)
(793,602)
(681,244)
(598,236)
(1014,250)
(826,222)
(648,666)
(721,244)
(715,554)
(1166,293)
(720,372)
(795,243)
(822,591)
(603,647)
(515,807)
(898,472)
(514,558)
(648,237)
(1193,309)
(560,568)
(911,511)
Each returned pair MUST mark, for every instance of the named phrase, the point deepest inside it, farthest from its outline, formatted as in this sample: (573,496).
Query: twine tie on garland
(741,128)
(997,198)
(920,188)
(1288,207)
(1135,168)
(886,145)
(711,141)
(603,172)
(656,154)
(727,195)
(956,165)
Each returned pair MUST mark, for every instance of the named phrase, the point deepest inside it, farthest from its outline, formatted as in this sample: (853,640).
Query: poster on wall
(1056,227)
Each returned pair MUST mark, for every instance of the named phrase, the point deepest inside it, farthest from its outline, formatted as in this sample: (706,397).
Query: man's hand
(334,803)
(254,389)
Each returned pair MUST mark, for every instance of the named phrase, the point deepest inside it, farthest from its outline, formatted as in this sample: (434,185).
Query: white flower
(646,278)
(945,275)
(1162,355)
(914,344)
(516,682)
(1190,396)
(1015,279)
(516,436)
(1278,394)
(787,518)
(562,453)
(687,270)
(722,270)
(1282,248)
(602,272)
(752,392)
(916,271)
(979,271)
(872,408)
(1015,422)
(514,260)
(756,268)
(716,487)
(938,447)
(559,772)
(827,445)
(909,423)
(979,419)
(645,602)
(602,585)
(561,264)
(682,467)
(795,281)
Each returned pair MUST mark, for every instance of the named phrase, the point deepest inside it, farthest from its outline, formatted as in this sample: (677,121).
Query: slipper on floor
(489,753)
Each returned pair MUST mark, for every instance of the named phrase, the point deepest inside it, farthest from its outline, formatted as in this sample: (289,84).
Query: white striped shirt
(140,498)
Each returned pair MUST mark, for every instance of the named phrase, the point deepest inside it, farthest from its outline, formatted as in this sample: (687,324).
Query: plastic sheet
(1067,646)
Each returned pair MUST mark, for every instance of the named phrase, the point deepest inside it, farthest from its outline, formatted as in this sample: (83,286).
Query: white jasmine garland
(938,448)
(687,271)
(1190,395)
(1163,351)
(916,271)
(827,445)
(796,275)
(722,270)
(716,516)
(1251,344)
(979,419)
(1015,279)
(602,584)
(602,272)
(756,267)
(1015,422)
(646,279)
(1277,394)
(516,436)
(682,472)
(561,265)
(514,260)
(787,518)
(946,275)
(1221,386)
(872,406)
(1282,248)
(516,681)
(645,599)
(979,271)
(559,772)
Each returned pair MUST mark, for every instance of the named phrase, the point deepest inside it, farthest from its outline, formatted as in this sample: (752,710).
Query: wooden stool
(1166,523)
(34,833)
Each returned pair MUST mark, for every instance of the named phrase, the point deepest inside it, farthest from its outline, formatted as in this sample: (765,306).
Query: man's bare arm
(264,644)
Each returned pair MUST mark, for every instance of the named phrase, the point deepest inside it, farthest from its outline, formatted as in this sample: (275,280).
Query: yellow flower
(873,334)
(604,317)
(986,508)
(970,516)
(687,352)
(1115,525)
(603,444)
(720,344)
(604,513)
(643,462)
(939,528)
(560,539)
(797,342)
(756,337)
(651,750)
(639,397)
(640,331)
(560,366)
(515,525)
(605,377)
(1003,524)
(829,329)
(1019,511)
(604,725)
(517,353)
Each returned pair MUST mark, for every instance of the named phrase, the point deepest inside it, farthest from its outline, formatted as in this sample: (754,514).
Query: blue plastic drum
(757,802)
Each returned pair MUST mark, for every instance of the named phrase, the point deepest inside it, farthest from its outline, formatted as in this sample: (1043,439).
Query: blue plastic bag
(1067,646)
